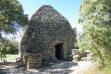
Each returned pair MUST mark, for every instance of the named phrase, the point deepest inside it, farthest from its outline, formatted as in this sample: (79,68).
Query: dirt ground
(61,67)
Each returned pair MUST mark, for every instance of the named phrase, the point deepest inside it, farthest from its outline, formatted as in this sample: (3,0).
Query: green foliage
(11,12)
(8,46)
(95,15)
(3,56)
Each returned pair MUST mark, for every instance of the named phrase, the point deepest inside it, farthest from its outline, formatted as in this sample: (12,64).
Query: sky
(68,8)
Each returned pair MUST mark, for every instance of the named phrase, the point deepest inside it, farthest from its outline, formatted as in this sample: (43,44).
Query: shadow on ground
(61,67)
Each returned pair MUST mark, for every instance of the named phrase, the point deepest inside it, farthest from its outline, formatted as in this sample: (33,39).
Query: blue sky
(68,8)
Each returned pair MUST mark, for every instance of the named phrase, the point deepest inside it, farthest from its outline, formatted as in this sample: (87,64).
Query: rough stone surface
(34,61)
(47,28)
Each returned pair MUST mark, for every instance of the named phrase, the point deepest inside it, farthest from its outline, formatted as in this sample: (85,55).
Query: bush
(96,21)
(10,47)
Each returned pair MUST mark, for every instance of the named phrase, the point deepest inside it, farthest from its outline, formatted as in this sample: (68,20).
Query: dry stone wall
(34,61)
(46,28)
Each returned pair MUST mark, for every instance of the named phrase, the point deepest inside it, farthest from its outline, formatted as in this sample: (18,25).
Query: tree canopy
(95,15)
(11,15)
(11,12)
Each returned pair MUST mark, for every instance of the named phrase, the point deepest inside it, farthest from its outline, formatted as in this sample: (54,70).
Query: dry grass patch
(98,70)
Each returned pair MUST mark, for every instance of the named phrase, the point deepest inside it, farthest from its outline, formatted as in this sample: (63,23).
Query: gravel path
(62,67)
(82,65)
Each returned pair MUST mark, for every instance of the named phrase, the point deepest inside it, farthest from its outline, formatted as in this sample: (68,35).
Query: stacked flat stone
(34,61)
(47,27)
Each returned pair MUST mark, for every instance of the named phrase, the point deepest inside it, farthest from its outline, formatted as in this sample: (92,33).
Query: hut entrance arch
(59,50)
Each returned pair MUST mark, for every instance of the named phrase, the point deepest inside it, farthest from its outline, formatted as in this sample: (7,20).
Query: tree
(9,46)
(11,13)
(95,15)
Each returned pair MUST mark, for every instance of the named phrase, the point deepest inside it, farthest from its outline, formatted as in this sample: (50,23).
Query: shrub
(10,47)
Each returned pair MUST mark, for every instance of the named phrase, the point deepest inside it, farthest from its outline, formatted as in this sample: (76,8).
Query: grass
(96,70)
(10,58)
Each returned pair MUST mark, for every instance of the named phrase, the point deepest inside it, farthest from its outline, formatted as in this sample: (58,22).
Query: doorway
(59,51)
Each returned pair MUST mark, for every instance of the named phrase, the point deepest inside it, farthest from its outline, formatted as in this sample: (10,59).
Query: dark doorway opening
(59,51)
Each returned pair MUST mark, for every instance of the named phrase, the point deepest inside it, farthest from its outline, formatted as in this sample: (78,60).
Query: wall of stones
(34,61)
(42,39)
(46,28)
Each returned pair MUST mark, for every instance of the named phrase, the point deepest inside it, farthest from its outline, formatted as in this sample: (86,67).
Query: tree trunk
(100,56)
(0,35)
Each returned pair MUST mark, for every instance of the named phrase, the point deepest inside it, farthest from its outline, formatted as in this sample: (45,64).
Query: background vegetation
(9,46)
(95,16)
(11,14)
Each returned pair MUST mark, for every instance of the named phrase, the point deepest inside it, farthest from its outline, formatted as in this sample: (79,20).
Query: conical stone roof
(47,28)
(47,14)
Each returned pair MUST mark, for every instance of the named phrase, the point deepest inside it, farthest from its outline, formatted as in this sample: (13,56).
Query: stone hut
(48,36)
